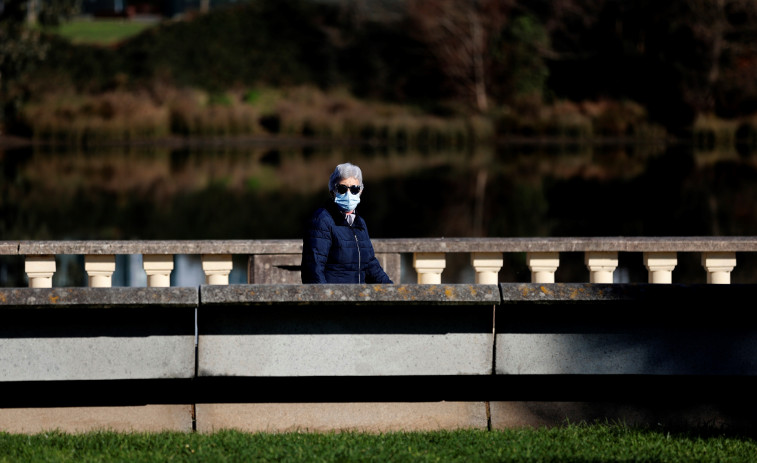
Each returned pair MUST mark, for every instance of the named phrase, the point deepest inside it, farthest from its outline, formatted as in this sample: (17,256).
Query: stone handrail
(542,256)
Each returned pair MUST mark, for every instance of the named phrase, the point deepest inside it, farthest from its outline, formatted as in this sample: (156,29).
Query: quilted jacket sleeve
(374,273)
(315,248)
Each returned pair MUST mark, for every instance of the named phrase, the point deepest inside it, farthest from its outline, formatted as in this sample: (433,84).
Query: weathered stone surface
(569,244)
(9,247)
(639,293)
(394,245)
(352,294)
(161,247)
(156,298)
(274,269)
(146,418)
(323,417)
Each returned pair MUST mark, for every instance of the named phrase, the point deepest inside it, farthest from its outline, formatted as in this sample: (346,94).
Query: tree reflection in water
(256,192)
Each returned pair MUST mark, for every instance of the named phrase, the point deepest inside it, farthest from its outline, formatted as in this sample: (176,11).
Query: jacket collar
(339,218)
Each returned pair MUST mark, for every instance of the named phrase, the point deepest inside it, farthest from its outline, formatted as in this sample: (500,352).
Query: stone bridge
(286,356)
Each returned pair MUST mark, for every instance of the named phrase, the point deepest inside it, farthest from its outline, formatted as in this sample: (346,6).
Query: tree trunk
(478,61)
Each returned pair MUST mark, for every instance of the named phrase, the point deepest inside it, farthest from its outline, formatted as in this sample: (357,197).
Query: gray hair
(343,171)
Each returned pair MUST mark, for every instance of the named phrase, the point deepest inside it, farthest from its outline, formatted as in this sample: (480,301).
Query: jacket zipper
(357,244)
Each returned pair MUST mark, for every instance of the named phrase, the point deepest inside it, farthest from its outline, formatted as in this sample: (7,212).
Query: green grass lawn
(101,31)
(569,443)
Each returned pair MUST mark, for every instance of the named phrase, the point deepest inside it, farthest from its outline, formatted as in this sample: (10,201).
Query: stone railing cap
(352,294)
(629,292)
(570,244)
(160,247)
(9,247)
(391,245)
(98,298)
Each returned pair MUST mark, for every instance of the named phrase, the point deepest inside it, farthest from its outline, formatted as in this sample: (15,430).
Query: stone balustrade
(718,257)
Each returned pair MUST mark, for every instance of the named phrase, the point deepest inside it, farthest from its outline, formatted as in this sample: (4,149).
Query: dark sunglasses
(342,189)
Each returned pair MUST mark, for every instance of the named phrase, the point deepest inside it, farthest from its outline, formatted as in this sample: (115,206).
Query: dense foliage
(679,59)
(22,48)
(272,43)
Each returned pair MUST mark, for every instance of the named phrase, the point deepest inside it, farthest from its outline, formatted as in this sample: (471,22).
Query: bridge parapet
(277,261)
(374,357)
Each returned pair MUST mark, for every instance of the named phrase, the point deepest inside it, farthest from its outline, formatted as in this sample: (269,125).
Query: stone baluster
(602,265)
(40,270)
(217,268)
(429,266)
(543,266)
(660,266)
(100,268)
(719,266)
(487,266)
(158,268)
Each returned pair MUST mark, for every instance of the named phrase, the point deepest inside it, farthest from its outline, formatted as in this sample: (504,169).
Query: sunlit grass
(606,443)
(100,31)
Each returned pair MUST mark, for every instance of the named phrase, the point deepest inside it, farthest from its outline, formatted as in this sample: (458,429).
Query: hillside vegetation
(304,68)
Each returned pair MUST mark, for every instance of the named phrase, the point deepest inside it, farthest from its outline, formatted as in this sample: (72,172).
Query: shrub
(86,119)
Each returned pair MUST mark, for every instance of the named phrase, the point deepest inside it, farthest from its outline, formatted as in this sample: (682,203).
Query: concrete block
(582,329)
(345,330)
(344,354)
(97,333)
(323,417)
(144,418)
(640,353)
(675,415)
(96,358)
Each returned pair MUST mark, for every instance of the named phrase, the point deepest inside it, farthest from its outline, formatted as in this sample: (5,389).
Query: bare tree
(459,33)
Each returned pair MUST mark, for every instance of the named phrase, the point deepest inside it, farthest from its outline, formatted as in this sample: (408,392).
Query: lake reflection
(232,191)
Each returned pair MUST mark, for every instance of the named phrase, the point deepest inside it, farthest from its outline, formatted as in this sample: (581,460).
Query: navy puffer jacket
(335,252)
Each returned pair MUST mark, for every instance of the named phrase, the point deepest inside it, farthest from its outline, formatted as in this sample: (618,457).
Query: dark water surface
(237,191)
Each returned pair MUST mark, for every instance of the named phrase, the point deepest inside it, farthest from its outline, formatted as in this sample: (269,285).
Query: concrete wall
(374,357)
(314,331)
(63,350)
(97,334)
(586,329)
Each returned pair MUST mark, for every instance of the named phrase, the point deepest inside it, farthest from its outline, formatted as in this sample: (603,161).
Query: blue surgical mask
(347,202)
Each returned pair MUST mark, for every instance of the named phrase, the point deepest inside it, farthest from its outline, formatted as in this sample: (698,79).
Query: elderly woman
(336,247)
